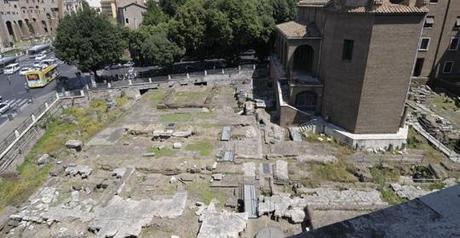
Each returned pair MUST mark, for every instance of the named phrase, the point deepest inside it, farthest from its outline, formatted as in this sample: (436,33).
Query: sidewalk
(9,126)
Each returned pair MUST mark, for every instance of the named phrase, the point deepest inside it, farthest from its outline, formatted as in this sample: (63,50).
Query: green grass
(185,116)
(202,190)
(186,97)
(87,122)
(332,172)
(165,152)
(156,96)
(417,141)
(436,185)
(203,147)
(176,117)
(381,176)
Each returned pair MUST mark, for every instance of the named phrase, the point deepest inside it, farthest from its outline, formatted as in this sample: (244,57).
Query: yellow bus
(37,78)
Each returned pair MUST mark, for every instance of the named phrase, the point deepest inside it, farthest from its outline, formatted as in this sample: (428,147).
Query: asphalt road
(14,92)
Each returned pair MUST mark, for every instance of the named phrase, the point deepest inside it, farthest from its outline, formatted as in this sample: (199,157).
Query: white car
(11,68)
(40,57)
(24,70)
(4,107)
(37,65)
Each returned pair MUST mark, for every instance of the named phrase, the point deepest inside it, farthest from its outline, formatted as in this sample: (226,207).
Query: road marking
(22,102)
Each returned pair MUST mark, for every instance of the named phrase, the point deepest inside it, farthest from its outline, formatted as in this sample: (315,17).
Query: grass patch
(438,185)
(203,191)
(176,117)
(204,147)
(417,141)
(165,152)
(185,97)
(337,172)
(75,123)
(156,96)
(381,176)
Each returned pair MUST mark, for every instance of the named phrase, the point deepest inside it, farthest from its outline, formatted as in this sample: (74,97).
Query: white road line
(23,101)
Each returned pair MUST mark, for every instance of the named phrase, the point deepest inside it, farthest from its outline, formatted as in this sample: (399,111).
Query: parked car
(48,62)
(4,107)
(40,57)
(128,64)
(24,70)
(11,68)
(37,64)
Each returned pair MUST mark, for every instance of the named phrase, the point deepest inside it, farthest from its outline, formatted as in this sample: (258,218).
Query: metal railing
(8,143)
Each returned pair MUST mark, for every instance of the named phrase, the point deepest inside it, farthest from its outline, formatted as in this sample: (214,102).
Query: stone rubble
(408,191)
(119,172)
(217,224)
(43,159)
(74,144)
(83,170)
(281,171)
(119,218)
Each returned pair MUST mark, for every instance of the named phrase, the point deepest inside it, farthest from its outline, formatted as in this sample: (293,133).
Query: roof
(292,29)
(380,7)
(434,215)
(250,200)
(133,3)
(312,3)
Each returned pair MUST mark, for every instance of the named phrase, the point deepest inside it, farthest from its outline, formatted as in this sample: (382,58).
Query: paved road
(13,91)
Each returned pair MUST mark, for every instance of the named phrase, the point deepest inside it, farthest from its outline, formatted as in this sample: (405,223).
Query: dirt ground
(157,168)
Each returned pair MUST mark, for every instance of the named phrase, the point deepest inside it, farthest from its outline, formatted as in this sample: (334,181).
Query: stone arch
(303,59)
(45,28)
(9,27)
(306,101)
(30,26)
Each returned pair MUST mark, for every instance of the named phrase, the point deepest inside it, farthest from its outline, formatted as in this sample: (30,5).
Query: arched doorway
(44,26)
(22,28)
(303,59)
(306,101)
(29,25)
(9,27)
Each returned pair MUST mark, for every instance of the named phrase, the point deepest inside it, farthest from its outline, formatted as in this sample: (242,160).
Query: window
(347,53)
(429,21)
(433,1)
(127,21)
(457,23)
(448,67)
(454,42)
(424,44)
(418,67)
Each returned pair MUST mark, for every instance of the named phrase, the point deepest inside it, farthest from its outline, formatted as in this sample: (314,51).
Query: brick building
(348,63)
(438,57)
(27,19)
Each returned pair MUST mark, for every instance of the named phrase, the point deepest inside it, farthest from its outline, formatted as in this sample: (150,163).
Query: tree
(188,27)
(158,50)
(88,40)
(150,45)
(284,10)
(170,6)
(249,23)
(153,15)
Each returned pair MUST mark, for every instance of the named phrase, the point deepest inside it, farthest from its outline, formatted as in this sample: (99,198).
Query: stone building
(347,64)
(110,8)
(131,15)
(27,19)
(438,57)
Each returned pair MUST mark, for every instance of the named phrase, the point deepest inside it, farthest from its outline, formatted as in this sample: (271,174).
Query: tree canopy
(88,40)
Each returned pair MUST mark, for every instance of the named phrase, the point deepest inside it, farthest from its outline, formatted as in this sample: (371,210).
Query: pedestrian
(9,80)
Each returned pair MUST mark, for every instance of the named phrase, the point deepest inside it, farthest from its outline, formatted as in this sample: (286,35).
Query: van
(11,68)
